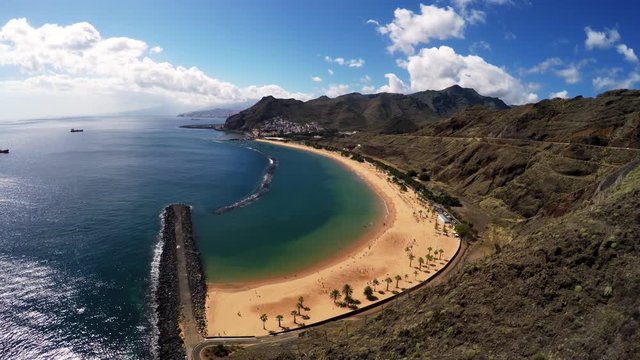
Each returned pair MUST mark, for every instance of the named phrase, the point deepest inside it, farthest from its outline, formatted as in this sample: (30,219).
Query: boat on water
(4,151)
(76,130)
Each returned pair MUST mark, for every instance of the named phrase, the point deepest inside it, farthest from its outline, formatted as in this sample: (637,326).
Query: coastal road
(519,141)
(191,336)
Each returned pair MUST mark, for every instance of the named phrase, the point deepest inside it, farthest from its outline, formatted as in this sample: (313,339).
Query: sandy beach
(408,227)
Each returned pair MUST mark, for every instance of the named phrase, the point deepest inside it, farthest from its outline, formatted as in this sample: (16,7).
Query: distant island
(219,127)
(212,113)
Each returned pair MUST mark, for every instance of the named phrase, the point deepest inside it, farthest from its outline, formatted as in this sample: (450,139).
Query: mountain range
(382,113)
(211,113)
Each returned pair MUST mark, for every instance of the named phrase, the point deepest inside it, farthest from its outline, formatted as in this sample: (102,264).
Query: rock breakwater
(170,344)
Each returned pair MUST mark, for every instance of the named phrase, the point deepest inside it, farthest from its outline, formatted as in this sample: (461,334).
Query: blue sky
(81,57)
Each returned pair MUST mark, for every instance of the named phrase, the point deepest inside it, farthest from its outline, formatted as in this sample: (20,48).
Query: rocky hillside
(381,113)
(612,118)
(554,188)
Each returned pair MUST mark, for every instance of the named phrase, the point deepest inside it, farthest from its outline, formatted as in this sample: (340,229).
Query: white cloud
(543,66)
(354,63)
(509,36)
(475,16)
(330,72)
(368,89)
(337,90)
(365,79)
(409,29)
(570,74)
(75,60)
(560,94)
(357,63)
(478,46)
(610,82)
(627,52)
(156,50)
(316,79)
(600,39)
(438,68)
(606,39)
(395,85)
(374,22)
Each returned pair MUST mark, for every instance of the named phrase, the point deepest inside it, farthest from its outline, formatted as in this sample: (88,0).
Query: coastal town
(279,126)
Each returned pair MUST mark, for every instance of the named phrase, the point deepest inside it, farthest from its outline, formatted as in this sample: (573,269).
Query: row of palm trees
(437,255)
(347,291)
(295,313)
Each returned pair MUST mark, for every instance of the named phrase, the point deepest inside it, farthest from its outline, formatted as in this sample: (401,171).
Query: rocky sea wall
(260,190)
(195,273)
(170,344)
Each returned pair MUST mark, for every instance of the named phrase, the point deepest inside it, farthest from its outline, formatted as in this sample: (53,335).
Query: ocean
(79,219)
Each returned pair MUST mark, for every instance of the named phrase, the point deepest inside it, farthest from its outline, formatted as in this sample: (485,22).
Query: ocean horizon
(81,218)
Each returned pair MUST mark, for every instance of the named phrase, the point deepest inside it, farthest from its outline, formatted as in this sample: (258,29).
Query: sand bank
(235,309)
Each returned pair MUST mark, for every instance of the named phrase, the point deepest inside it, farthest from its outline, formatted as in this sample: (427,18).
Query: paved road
(190,331)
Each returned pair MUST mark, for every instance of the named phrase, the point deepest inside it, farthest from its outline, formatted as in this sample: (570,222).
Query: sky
(73,58)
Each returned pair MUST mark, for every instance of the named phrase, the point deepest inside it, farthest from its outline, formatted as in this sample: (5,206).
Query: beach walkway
(190,333)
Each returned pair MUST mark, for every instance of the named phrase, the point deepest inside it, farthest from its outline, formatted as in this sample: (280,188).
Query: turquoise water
(313,209)
(79,221)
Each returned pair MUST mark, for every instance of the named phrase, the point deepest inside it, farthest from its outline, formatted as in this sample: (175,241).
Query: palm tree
(415,274)
(440,255)
(398,278)
(279,318)
(431,258)
(375,283)
(300,303)
(429,249)
(347,290)
(446,233)
(420,262)
(411,257)
(436,226)
(264,319)
(335,295)
(388,281)
(299,306)
(368,292)
(294,313)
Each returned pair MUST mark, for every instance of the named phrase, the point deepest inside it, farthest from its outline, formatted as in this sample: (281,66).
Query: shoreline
(376,229)
(233,308)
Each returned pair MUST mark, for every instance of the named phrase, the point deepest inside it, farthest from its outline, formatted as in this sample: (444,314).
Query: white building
(443,218)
